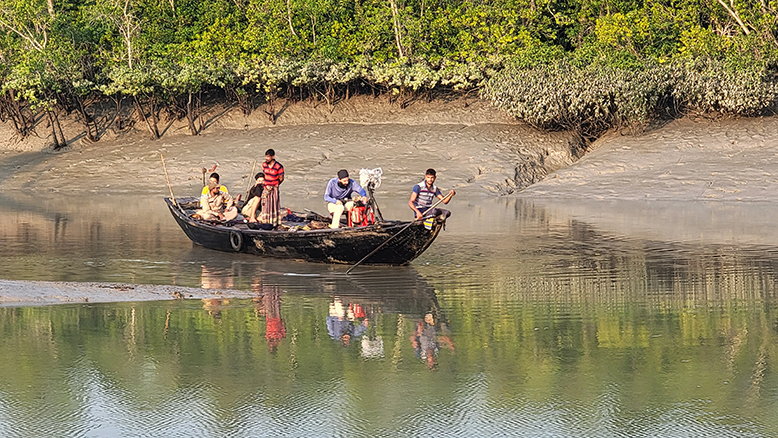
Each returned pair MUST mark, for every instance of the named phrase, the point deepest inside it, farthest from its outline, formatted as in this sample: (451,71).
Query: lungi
(271,202)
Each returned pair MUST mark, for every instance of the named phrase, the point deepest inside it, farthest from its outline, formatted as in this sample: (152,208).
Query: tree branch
(732,13)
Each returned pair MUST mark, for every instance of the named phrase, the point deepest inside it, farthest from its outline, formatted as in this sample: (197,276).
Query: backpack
(360,216)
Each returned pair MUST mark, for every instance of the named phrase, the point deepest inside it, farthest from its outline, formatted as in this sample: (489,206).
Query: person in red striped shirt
(271,198)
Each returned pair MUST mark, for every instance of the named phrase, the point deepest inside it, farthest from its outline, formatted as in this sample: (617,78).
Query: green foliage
(557,63)
(594,98)
(712,86)
(589,99)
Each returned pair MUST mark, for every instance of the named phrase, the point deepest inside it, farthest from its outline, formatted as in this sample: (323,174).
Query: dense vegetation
(587,65)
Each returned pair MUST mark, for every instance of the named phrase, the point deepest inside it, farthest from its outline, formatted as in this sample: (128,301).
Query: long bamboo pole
(251,177)
(167,178)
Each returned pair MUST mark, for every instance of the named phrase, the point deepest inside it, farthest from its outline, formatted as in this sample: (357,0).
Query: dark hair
(342,173)
(214,175)
(431,171)
(259,175)
(270,152)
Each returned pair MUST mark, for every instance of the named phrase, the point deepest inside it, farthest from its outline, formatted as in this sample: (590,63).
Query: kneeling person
(338,196)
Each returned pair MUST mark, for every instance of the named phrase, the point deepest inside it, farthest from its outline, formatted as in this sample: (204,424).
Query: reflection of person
(216,202)
(255,196)
(269,304)
(214,306)
(426,341)
(212,279)
(345,326)
(339,193)
(271,197)
(424,194)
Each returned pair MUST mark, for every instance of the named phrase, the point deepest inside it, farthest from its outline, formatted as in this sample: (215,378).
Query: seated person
(217,204)
(253,202)
(338,196)
(213,179)
(423,197)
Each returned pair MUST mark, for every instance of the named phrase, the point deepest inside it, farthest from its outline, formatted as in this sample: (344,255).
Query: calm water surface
(525,318)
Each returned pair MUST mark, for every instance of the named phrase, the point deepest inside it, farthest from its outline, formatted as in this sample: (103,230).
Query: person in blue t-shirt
(339,196)
(424,195)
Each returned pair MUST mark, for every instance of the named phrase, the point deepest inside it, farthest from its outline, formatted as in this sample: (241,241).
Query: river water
(526,317)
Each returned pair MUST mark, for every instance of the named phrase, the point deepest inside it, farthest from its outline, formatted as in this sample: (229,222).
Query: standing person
(338,195)
(423,195)
(255,195)
(271,198)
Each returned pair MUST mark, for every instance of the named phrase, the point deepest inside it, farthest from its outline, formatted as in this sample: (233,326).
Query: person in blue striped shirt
(424,195)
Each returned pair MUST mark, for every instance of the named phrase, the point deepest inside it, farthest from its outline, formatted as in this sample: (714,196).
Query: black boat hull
(342,245)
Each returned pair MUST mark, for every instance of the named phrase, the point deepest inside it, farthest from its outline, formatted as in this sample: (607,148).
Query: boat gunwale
(384,227)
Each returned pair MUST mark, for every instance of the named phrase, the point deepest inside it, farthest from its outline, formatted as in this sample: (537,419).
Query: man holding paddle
(421,204)
(423,195)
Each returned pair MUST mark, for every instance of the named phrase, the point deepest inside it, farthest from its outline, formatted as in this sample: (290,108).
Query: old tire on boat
(236,240)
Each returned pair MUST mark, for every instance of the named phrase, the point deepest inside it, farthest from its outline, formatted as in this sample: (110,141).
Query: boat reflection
(357,304)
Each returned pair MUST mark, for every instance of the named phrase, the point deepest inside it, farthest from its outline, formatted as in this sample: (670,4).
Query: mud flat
(692,159)
(33,293)
(476,149)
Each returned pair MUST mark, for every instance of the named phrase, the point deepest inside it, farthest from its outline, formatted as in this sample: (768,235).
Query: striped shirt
(273,173)
(425,195)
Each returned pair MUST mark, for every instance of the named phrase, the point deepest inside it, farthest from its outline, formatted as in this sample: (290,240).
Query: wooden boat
(342,245)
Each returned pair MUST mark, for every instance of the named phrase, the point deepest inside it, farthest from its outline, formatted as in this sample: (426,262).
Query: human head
(430,176)
(343,177)
(213,182)
(270,155)
(259,176)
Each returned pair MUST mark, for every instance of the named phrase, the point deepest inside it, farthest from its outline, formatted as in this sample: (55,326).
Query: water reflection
(270,364)
(427,339)
(538,318)
(268,305)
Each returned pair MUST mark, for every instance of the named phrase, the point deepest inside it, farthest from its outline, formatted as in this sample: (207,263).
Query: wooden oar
(395,235)
(206,170)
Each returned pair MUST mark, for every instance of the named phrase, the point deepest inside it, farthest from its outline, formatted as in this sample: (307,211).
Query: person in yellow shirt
(216,203)
(213,180)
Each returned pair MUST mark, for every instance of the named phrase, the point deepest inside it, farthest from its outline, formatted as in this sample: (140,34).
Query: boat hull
(406,240)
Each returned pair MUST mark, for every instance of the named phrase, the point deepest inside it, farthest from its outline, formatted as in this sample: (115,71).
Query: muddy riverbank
(476,149)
